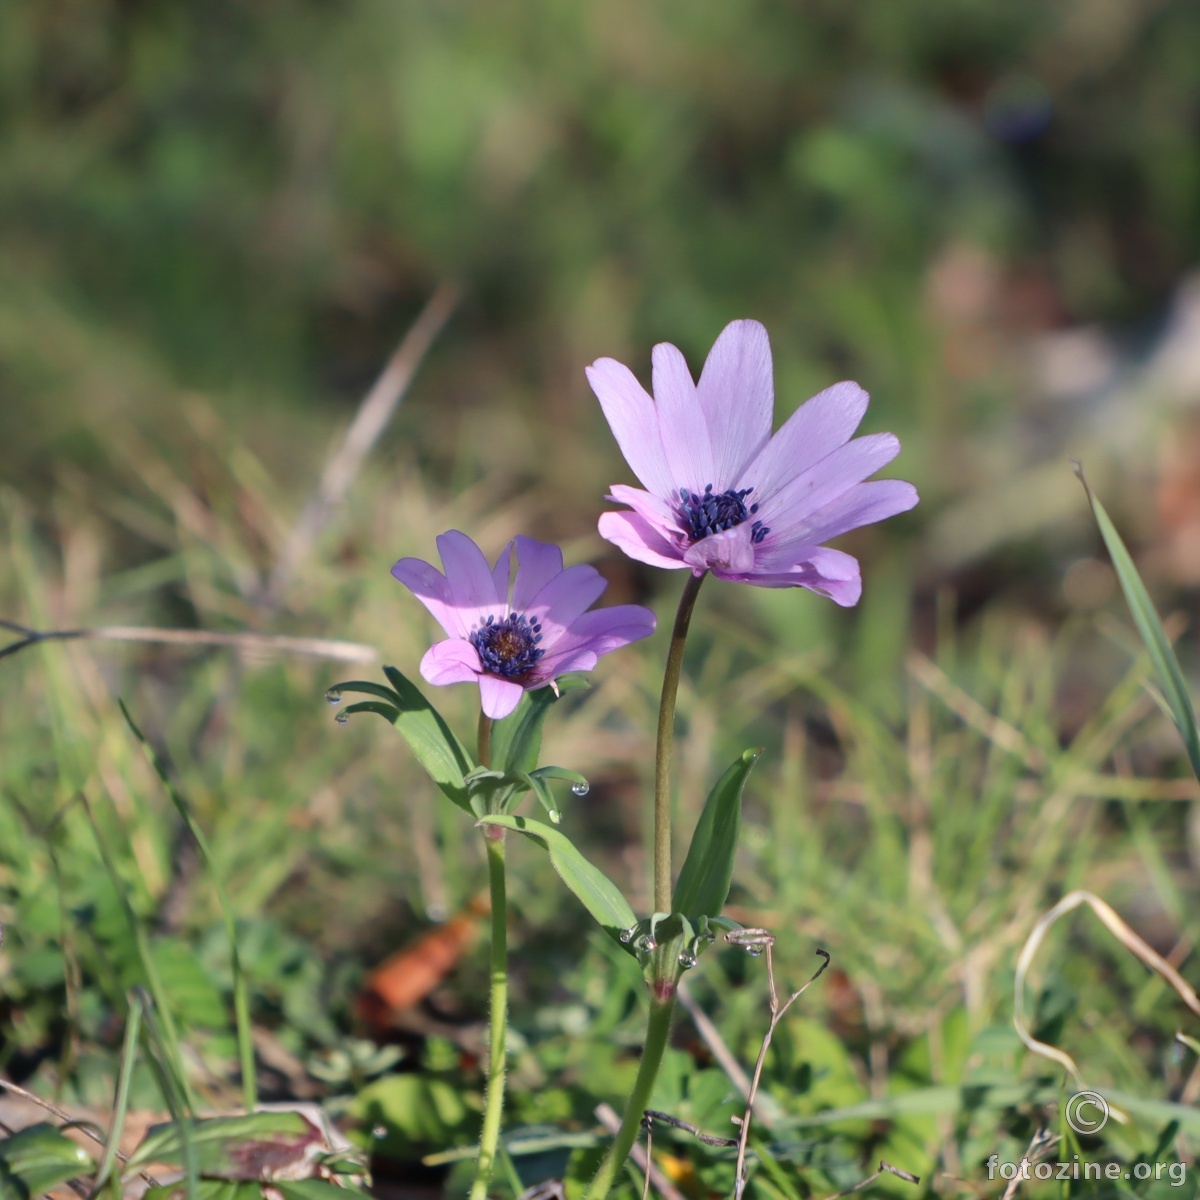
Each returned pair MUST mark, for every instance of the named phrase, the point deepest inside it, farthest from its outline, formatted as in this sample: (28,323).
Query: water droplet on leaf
(333,697)
(342,718)
(581,789)
(555,815)
(626,935)
(380,1131)
(687,960)
(755,949)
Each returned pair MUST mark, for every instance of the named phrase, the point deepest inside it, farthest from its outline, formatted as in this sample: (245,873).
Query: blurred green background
(216,223)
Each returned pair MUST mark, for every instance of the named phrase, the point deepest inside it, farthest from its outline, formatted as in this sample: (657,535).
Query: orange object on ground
(409,975)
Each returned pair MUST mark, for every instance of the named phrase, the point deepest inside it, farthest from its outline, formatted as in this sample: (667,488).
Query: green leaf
(252,1146)
(599,895)
(517,740)
(38,1159)
(313,1189)
(703,885)
(433,741)
(207,1189)
(1154,637)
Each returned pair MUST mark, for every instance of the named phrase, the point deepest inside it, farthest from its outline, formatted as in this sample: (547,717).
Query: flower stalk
(493,1110)
(663,986)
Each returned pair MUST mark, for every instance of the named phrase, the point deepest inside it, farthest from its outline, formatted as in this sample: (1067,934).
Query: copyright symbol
(1086,1112)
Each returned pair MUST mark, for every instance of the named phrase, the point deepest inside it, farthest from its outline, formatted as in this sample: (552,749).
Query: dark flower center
(703,514)
(508,647)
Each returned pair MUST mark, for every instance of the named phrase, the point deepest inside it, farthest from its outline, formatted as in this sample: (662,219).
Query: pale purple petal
(820,569)
(454,661)
(660,514)
(606,629)
(429,586)
(790,507)
(537,563)
(861,505)
(472,586)
(500,572)
(737,394)
(563,599)
(634,422)
(817,428)
(639,539)
(728,552)
(682,426)
(498,697)
(581,658)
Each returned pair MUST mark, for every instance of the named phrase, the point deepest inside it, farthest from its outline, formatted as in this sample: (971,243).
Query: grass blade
(241,999)
(133,1029)
(1154,637)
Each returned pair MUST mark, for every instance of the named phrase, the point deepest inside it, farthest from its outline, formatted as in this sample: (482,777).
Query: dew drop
(581,789)
(626,935)
(687,960)
(333,697)
(645,944)
(755,949)
(379,1132)
(554,815)
(342,718)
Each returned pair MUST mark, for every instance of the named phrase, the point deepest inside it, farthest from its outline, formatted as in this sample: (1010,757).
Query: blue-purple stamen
(508,647)
(703,514)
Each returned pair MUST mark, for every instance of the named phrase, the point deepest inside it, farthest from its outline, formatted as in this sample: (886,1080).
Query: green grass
(914,821)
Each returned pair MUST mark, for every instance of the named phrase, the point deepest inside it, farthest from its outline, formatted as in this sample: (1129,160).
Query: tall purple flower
(510,645)
(723,494)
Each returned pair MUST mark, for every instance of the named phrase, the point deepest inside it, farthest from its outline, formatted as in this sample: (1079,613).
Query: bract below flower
(722,494)
(511,644)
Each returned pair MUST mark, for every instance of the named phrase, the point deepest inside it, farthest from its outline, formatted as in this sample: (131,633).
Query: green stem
(662,989)
(493,1109)
(494,1104)
(657,1033)
(666,740)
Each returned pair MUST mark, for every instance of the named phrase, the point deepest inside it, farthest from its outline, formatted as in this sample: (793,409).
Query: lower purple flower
(509,645)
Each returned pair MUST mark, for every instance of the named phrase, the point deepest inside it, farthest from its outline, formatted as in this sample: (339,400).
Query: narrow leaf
(598,894)
(1154,637)
(256,1145)
(433,741)
(517,740)
(703,885)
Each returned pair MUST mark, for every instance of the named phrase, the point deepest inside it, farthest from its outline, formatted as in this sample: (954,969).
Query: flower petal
(429,586)
(500,572)
(730,552)
(660,514)
(498,697)
(563,599)
(819,569)
(642,541)
(817,428)
(581,658)
(634,422)
(537,563)
(453,661)
(604,630)
(687,448)
(791,507)
(473,589)
(737,395)
(861,505)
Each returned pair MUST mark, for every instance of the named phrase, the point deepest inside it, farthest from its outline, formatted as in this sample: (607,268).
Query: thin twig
(265,643)
(756,941)
(369,422)
(607,1116)
(1042,1142)
(766,1108)
(884,1168)
(651,1115)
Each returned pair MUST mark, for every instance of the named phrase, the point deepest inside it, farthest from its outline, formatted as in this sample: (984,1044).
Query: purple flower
(723,494)
(506,645)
